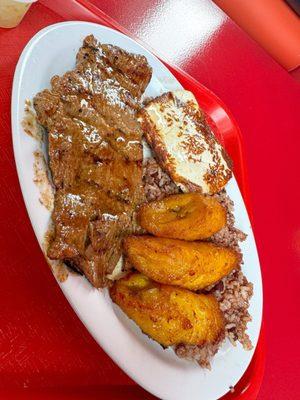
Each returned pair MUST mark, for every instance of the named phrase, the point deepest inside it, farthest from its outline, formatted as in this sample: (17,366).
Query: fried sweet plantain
(190,216)
(192,265)
(168,314)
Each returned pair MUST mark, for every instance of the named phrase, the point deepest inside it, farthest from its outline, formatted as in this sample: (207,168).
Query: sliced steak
(95,154)
(131,71)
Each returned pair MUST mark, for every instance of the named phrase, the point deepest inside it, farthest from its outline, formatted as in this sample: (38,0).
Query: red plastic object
(116,385)
(272,23)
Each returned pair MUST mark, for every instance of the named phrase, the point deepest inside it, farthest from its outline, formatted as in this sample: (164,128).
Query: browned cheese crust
(218,176)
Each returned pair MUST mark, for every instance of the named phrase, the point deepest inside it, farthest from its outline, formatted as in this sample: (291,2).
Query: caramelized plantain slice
(168,314)
(192,265)
(190,216)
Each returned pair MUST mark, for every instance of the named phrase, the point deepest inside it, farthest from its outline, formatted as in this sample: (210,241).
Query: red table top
(264,99)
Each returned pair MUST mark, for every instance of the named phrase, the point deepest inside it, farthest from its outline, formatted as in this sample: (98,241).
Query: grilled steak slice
(131,71)
(95,154)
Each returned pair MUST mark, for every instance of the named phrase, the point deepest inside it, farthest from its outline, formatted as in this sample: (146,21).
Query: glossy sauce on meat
(95,154)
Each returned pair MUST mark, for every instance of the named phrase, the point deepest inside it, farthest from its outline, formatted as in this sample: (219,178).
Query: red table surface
(34,316)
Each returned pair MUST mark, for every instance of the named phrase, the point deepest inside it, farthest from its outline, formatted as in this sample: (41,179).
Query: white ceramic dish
(52,51)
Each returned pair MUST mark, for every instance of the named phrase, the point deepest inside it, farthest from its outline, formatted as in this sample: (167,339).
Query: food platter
(52,51)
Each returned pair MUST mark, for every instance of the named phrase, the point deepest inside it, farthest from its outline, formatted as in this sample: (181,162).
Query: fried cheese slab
(185,147)
(169,315)
(191,265)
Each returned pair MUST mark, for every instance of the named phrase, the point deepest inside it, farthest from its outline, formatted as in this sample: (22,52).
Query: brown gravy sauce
(30,124)
(58,268)
(41,179)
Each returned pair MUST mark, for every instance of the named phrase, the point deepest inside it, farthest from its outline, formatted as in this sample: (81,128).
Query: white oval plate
(52,51)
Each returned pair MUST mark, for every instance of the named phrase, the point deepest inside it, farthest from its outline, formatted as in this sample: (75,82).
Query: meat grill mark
(95,154)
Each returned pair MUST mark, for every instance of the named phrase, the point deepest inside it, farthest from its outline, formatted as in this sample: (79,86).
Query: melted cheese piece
(118,272)
(175,128)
